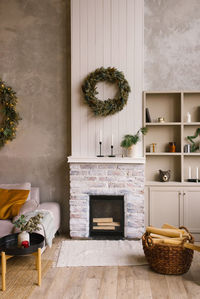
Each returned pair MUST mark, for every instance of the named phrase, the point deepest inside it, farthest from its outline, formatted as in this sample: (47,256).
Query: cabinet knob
(179,193)
(184,193)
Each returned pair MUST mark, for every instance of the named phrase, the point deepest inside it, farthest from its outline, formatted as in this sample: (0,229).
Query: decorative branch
(30,225)
(194,146)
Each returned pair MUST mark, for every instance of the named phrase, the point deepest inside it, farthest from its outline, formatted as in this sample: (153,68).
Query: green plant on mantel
(129,140)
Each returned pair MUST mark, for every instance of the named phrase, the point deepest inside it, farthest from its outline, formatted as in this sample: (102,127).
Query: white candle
(112,138)
(197,173)
(189,173)
(100,135)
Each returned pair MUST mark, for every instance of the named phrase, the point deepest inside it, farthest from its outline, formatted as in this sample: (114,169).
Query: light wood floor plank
(191,279)
(73,282)
(176,287)
(108,286)
(142,289)
(92,283)
(125,283)
(60,284)
(140,272)
(42,291)
(192,289)
(159,286)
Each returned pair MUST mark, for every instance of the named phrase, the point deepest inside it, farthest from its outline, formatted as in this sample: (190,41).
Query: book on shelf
(104,227)
(148,117)
(102,219)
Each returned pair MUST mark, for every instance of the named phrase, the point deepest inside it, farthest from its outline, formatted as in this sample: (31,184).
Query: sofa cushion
(31,205)
(11,202)
(6,228)
(23,186)
(28,206)
(35,194)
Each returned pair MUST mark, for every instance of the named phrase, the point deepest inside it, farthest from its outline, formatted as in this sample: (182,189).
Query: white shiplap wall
(105,33)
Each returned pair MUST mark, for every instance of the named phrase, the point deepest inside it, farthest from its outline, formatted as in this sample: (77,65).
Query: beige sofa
(7,227)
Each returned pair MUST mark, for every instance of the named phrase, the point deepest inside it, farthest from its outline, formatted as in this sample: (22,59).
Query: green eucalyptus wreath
(8,125)
(109,106)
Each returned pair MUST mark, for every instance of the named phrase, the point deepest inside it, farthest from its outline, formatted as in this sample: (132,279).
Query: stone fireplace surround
(114,176)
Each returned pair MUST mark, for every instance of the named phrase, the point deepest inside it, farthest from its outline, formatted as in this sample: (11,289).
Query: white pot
(23,236)
(132,151)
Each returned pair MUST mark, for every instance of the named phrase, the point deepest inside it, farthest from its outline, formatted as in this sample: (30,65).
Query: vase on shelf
(23,237)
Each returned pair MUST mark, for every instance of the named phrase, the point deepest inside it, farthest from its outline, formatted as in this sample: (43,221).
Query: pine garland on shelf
(10,118)
(109,106)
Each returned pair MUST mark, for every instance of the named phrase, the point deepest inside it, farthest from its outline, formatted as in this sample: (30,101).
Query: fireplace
(119,178)
(106,216)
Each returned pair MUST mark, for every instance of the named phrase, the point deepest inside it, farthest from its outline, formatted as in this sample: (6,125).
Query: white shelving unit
(173,107)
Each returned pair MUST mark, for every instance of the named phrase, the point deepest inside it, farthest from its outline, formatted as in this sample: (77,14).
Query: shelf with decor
(163,124)
(192,124)
(161,136)
(172,117)
(156,162)
(191,169)
(191,104)
(191,154)
(163,154)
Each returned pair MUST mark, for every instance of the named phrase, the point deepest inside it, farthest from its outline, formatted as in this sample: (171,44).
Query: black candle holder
(100,155)
(193,180)
(111,152)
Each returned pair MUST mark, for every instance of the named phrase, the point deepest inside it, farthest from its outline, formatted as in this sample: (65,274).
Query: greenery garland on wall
(109,106)
(10,119)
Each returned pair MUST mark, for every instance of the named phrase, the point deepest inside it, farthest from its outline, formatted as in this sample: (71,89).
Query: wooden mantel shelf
(107,160)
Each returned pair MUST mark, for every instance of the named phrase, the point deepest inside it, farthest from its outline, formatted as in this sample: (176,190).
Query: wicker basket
(168,259)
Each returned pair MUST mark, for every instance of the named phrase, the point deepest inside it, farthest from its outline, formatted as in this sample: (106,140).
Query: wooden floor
(116,282)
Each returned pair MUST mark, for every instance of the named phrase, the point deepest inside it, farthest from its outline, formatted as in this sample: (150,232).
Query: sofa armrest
(53,207)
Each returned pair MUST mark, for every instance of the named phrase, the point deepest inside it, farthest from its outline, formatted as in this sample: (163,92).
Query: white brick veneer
(109,179)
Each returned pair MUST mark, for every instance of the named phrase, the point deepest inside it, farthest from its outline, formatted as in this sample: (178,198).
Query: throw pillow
(28,206)
(22,186)
(11,202)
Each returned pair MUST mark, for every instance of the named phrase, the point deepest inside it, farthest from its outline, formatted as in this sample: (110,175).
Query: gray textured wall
(35,61)
(172,44)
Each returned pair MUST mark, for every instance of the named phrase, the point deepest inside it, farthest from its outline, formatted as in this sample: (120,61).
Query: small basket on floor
(168,258)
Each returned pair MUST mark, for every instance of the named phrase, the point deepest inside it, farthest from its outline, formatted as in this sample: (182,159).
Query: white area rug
(75,253)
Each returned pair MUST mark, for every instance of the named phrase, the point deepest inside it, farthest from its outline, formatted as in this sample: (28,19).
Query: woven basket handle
(190,237)
(148,240)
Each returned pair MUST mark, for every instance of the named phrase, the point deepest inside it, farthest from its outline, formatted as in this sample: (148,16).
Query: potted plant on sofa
(129,142)
(27,226)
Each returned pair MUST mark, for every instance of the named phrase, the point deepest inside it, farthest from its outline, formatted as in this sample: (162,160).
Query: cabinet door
(191,199)
(164,206)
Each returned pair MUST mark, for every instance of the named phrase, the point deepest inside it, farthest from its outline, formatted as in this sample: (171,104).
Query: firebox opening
(107,216)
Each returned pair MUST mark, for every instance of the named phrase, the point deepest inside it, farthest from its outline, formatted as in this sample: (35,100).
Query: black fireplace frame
(105,234)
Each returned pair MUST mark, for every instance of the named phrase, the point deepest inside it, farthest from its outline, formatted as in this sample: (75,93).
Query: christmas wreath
(109,106)
(10,117)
